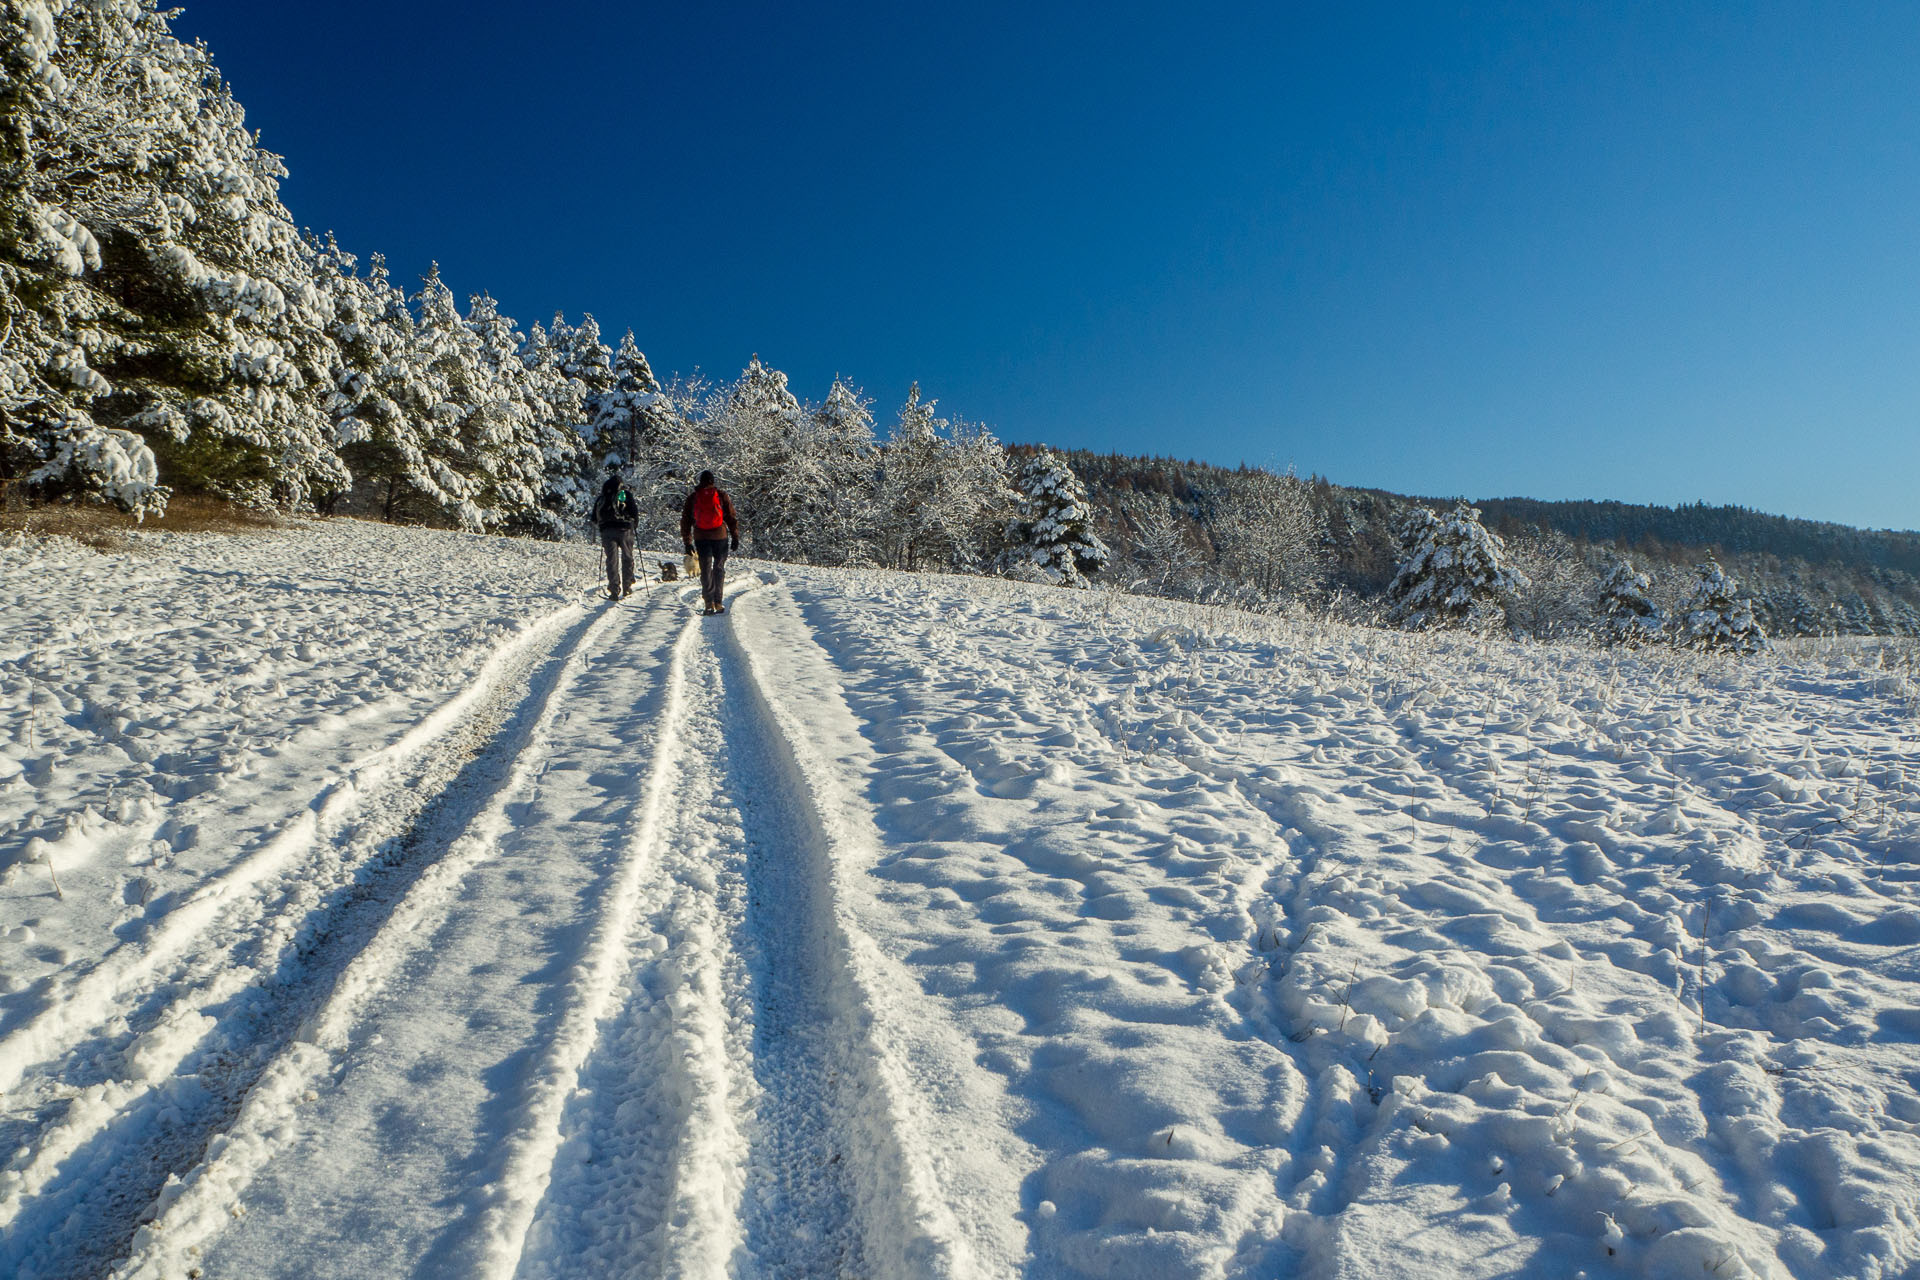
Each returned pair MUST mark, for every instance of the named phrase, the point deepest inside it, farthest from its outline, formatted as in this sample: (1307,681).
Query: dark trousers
(713,569)
(618,544)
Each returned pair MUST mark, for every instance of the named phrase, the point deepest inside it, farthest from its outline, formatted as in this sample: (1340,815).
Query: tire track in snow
(648,1176)
(312,1034)
(747,1043)
(798,1212)
(733,1049)
(98,995)
(532,1149)
(841,1063)
(97,1131)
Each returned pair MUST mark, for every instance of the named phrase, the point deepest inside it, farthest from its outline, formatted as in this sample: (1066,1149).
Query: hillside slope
(924,926)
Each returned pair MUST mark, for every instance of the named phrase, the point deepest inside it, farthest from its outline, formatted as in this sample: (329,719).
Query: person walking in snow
(707,523)
(617,513)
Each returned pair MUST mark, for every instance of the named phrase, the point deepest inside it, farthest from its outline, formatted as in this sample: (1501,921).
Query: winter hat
(706,478)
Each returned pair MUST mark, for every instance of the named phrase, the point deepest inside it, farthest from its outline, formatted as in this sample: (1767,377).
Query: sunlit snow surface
(420,915)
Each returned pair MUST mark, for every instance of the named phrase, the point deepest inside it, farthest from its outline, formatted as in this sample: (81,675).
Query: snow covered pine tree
(1453,572)
(161,315)
(638,427)
(1715,618)
(1052,530)
(619,414)
(1628,616)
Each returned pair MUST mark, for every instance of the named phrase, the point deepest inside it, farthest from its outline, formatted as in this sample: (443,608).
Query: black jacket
(615,510)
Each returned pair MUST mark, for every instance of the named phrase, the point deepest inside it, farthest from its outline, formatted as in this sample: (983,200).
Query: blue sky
(1655,252)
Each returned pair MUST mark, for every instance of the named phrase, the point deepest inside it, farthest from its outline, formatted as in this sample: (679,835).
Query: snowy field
(374,902)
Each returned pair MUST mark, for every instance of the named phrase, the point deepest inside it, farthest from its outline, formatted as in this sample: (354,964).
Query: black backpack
(606,510)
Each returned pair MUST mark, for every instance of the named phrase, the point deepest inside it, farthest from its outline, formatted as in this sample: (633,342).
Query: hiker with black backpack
(707,523)
(617,513)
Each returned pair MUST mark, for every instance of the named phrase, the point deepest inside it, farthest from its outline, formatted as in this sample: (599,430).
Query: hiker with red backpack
(707,524)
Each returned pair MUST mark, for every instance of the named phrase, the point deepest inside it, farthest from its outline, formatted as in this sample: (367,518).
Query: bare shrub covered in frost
(1556,586)
(1272,538)
(1162,558)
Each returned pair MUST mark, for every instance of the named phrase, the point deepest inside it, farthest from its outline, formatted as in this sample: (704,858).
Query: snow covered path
(609,931)
(899,926)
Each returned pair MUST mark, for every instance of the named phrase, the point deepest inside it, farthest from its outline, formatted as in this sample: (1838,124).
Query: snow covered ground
(417,914)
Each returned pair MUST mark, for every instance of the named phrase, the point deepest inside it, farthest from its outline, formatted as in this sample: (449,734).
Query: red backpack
(707,512)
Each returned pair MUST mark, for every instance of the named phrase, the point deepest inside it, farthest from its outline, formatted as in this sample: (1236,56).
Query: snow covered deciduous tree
(1272,537)
(1716,617)
(1162,554)
(1628,614)
(942,489)
(1052,527)
(1557,588)
(755,435)
(842,528)
(1453,571)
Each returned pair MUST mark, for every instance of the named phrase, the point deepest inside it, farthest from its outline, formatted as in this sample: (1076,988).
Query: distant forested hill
(1805,576)
(1726,529)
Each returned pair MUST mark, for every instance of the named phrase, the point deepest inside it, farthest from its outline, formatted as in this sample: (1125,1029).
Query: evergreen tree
(566,485)
(1715,617)
(586,363)
(1052,529)
(638,427)
(507,445)
(161,307)
(620,426)
(1453,571)
(1628,614)
(575,371)
(444,389)
(756,437)
(559,399)
(371,329)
